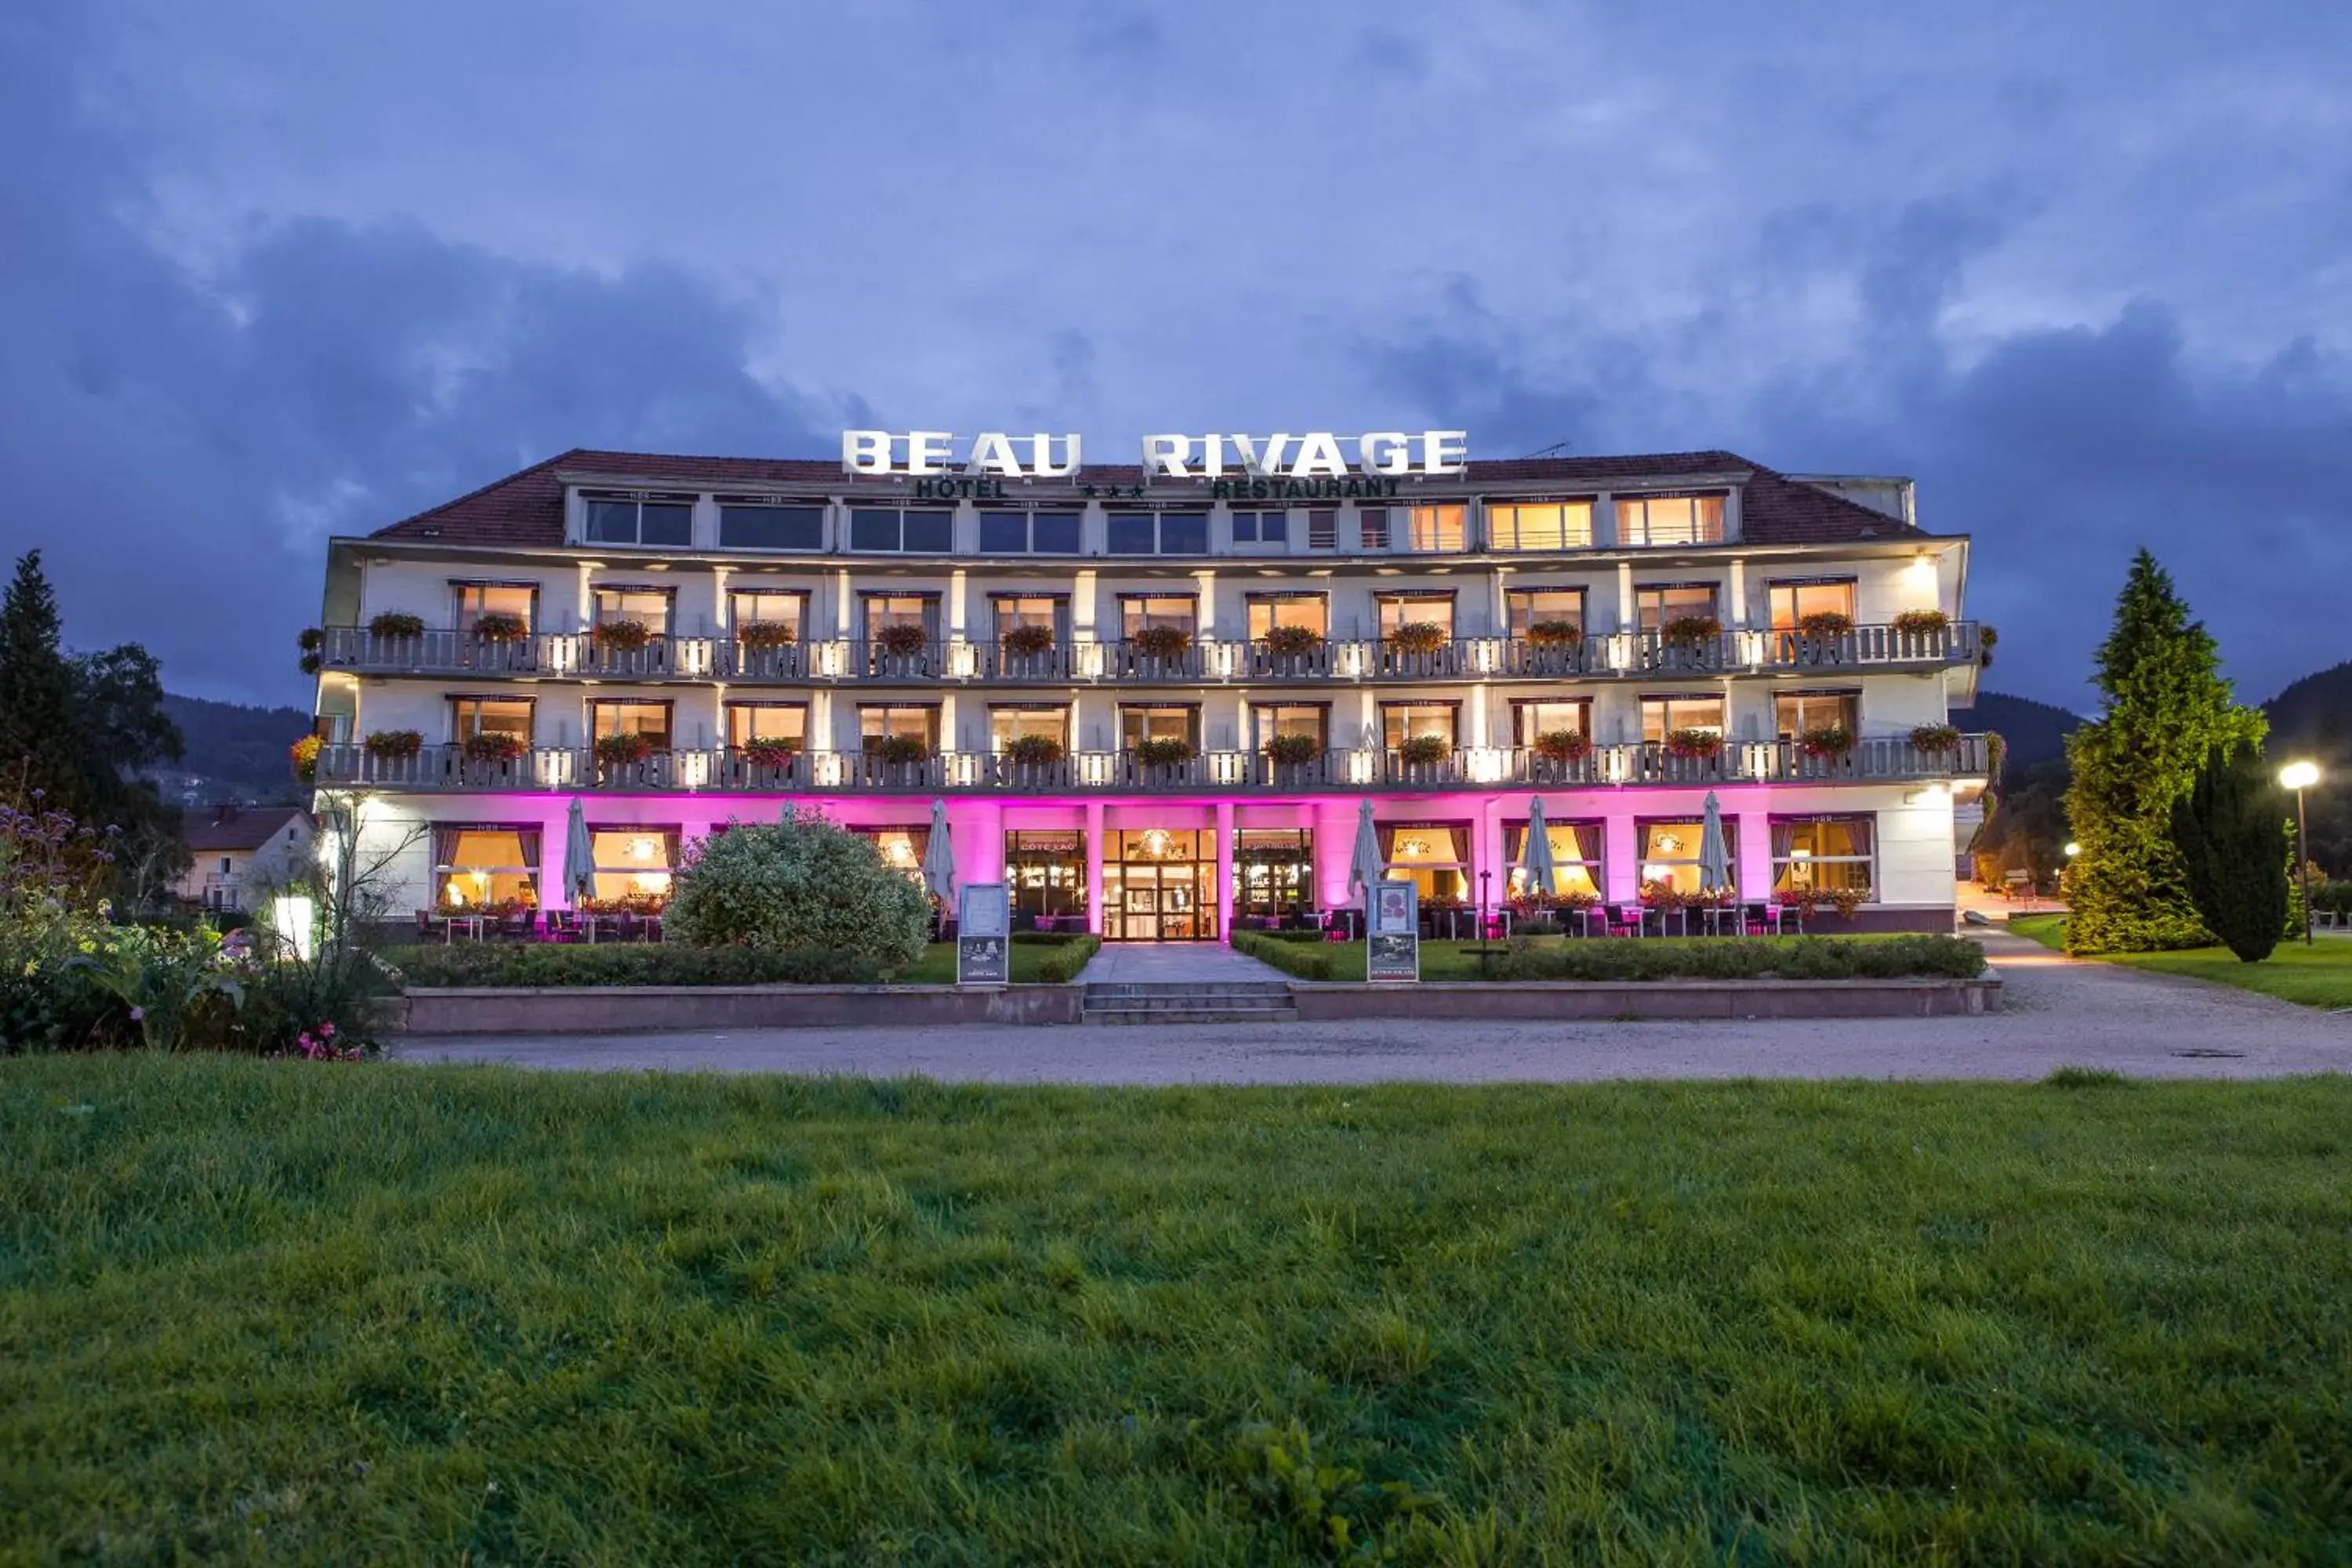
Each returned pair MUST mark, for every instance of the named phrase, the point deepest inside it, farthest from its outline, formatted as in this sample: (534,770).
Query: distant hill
(2314,716)
(2036,731)
(235,750)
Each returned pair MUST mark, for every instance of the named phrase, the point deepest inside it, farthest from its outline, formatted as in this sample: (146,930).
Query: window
(1433,526)
(1137,611)
(1172,722)
(782,723)
(1670,520)
(474,600)
(1794,712)
(490,716)
(1575,856)
(1433,856)
(1015,721)
(909,722)
(650,719)
(635,517)
(1415,610)
(768,607)
(1670,854)
(1792,602)
(1274,870)
(901,849)
(1402,721)
(1311,719)
(1653,607)
(1539,525)
(1547,606)
(901,530)
(1823,853)
(647,606)
(1029,532)
(1157,532)
(1026,610)
(1662,716)
(1546,716)
(632,862)
(1322,530)
(759,522)
(882,610)
(486,864)
(1308,611)
(1372,526)
(1262,530)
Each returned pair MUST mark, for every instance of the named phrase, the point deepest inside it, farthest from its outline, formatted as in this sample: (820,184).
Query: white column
(1738,618)
(1095,867)
(955,604)
(1226,871)
(1625,619)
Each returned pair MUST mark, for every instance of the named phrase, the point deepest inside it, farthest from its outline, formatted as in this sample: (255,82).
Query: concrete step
(1282,1015)
(1140,989)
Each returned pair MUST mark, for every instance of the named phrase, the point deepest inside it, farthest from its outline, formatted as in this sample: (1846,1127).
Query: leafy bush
(1288,952)
(1061,965)
(1743,958)
(631,964)
(801,882)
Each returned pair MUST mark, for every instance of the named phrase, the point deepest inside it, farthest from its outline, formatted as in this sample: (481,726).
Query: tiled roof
(527,508)
(235,828)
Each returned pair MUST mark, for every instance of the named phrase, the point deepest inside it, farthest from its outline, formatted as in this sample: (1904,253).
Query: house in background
(241,852)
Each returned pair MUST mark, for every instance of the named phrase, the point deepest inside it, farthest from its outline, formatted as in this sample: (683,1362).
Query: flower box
(1935,737)
(1695,743)
(1690,631)
(397,624)
(898,750)
(493,748)
(901,639)
(305,755)
(762,636)
(1555,633)
(1419,751)
(1032,751)
(1921,623)
(1291,640)
(499,626)
(1163,753)
(1826,741)
(1292,750)
(1161,642)
(1029,641)
(621,637)
(394,744)
(775,754)
(1825,624)
(1563,745)
(617,749)
(1418,637)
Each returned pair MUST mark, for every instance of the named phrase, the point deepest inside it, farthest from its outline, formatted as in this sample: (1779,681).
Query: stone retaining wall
(1589,1001)
(637,1010)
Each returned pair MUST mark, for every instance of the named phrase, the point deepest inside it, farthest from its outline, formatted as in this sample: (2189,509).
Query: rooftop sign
(1317,455)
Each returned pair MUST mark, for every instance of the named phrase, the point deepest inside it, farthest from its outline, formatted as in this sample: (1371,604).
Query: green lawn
(2318,976)
(294,1312)
(938,964)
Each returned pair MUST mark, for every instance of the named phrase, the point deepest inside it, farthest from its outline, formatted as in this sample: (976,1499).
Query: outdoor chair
(563,925)
(519,927)
(1627,920)
(624,926)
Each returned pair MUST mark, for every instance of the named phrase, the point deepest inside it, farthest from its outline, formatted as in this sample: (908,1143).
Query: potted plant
(1291,641)
(898,751)
(1806,900)
(1690,632)
(1846,899)
(1163,753)
(624,635)
(1554,634)
(774,755)
(620,750)
(1293,750)
(493,746)
(1985,638)
(1032,751)
(1563,746)
(397,624)
(1658,894)
(762,636)
(499,626)
(1825,624)
(394,744)
(305,754)
(1029,640)
(1826,741)
(310,664)
(1161,641)
(901,638)
(1422,751)
(1694,742)
(1418,637)
(1920,622)
(1936,739)
(311,640)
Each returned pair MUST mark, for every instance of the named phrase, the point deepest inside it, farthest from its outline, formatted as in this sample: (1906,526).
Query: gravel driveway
(2058,1013)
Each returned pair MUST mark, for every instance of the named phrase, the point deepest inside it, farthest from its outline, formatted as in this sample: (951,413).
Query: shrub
(1555,633)
(1744,958)
(397,624)
(1032,751)
(1061,965)
(2228,834)
(632,963)
(1027,641)
(1417,637)
(1935,737)
(1563,745)
(394,744)
(1292,750)
(1694,742)
(1690,631)
(800,882)
(901,639)
(500,625)
(1825,624)
(767,634)
(1163,753)
(1826,741)
(1423,749)
(1922,623)
(898,751)
(1291,640)
(1161,642)
(1291,957)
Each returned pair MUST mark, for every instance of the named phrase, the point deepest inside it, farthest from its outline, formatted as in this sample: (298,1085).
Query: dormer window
(1644,520)
(638,517)
(897,530)
(1539,525)
(770,523)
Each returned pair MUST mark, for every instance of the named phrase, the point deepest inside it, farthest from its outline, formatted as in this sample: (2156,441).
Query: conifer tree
(2168,710)
(2227,830)
(41,744)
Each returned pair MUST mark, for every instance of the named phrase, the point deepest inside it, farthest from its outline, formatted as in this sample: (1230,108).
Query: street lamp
(2299,777)
(2072,850)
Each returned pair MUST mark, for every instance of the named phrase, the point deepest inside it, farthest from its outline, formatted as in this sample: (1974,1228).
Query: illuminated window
(1670,520)
(1137,611)
(907,722)
(782,724)
(613,518)
(1433,856)
(1548,716)
(490,716)
(1671,855)
(1431,528)
(1402,721)
(1307,612)
(650,719)
(1539,525)
(1792,602)
(649,606)
(1575,856)
(783,607)
(474,600)
(1415,610)
(883,610)
(632,862)
(485,864)
(1662,716)
(1171,723)
(1794,712)
(1823,853)
(1653,607)
(1308,720)
(1015,611)
(1015,721)
(1548,606)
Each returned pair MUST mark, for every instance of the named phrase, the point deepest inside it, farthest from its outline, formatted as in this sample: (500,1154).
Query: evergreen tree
(2227,830)
(2168,710)
(41,738)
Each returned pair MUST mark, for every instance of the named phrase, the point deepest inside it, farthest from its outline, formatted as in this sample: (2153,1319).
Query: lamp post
(2299,777)
(1486,890)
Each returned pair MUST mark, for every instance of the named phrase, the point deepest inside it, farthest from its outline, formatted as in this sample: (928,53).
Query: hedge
(1071,952)
(628,964)
(1743,958)
(1298,953)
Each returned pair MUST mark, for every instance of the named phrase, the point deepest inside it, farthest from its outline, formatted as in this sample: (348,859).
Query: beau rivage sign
(1314,466)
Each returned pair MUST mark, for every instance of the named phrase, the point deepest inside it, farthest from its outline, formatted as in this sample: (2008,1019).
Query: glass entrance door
(1161,886)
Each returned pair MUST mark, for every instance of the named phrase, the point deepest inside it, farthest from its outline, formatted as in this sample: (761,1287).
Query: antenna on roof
(1557,450)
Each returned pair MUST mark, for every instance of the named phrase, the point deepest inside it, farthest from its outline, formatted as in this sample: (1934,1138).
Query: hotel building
(1155,706)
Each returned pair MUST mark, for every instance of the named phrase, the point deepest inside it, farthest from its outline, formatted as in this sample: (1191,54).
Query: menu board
(984,919)
(1393,927)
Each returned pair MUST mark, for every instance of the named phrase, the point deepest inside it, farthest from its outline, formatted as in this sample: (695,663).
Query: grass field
(2318,976)
(938,964)
(292,1312)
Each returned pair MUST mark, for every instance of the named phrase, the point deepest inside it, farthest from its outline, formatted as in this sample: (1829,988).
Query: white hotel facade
(1154,706)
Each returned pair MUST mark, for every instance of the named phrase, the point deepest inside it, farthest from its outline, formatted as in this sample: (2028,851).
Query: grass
(288,1312)
(2318,976)
(938,964)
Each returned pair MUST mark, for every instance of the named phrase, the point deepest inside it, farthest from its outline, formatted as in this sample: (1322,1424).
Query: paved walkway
(1174,960)
(2059,1012)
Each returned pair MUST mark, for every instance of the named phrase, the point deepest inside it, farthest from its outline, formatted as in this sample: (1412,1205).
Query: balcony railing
(1601,657)
(436,769)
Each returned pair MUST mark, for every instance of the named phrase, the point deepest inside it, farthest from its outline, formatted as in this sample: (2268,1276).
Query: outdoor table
(449,924)
(1713,913)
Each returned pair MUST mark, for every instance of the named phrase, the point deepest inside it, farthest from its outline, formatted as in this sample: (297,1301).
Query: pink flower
(328,1030)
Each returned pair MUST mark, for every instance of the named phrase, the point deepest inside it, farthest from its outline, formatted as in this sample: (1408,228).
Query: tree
(2227,830)
(2168,710)
(40,731)
(802,882)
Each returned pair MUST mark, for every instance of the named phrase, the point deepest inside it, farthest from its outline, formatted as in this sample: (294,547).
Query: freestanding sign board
(983,916)
(1392,932)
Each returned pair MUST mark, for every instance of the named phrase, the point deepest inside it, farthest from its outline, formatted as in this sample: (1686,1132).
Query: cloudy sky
(272,272)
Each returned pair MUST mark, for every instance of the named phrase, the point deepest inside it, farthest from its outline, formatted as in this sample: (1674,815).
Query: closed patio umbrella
(1536,861)
(939,859)
(579,857)
(1365,868)
(1714,854)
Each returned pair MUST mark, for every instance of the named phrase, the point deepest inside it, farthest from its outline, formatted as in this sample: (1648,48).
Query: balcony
(1602,656)
(447,769)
